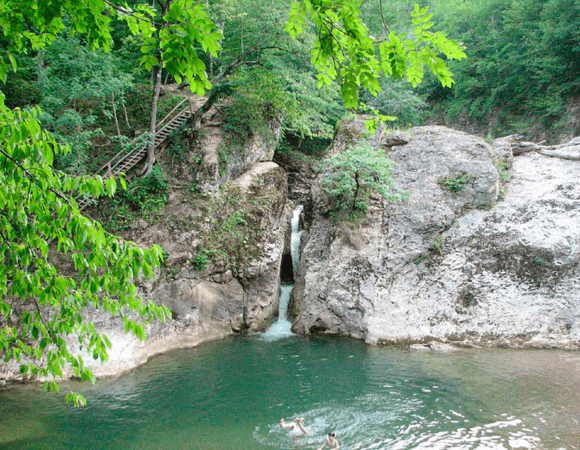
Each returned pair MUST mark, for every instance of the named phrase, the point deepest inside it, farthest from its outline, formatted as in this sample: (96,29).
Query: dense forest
(521,73)
(520,76)
(82,82)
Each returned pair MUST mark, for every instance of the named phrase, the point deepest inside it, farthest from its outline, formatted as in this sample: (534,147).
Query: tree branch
(383,16)
(31,176)
(240,60)
(128,12)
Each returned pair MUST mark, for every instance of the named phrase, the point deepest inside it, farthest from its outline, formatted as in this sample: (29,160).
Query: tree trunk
(559,155)
(156,76)
(210,56)
(219,64)
(197,116)
(355,192)
(125,113)
(118,128)
(153,119)
(242,36)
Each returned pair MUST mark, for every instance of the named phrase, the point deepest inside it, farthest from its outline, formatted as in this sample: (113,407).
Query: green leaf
(76,399)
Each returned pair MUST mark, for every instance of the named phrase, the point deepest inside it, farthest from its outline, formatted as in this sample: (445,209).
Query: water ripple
(232,394)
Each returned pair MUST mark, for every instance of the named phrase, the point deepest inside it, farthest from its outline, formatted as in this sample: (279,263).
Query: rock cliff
(222,268)
(223,231)
(484,252)
(470,257)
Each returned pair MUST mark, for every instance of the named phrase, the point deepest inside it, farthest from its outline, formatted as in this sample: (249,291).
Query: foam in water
(364,424)
(281,328)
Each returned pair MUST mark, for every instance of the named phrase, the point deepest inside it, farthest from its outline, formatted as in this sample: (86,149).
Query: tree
(40,223)
(41,304)
(169,43)
(351,177)
(265,74)
(345,51)
(42,231)
(80,89)
(522,68)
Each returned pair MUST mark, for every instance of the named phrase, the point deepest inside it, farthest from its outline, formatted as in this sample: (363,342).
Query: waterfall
(295,237)
(281,328)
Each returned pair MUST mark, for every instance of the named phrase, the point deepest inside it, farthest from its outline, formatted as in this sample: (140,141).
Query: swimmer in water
(296,428)
(330,441)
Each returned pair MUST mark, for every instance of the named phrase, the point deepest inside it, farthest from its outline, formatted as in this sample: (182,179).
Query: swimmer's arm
(286,425)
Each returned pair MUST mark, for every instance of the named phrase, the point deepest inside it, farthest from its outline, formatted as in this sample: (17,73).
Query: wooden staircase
(124,161)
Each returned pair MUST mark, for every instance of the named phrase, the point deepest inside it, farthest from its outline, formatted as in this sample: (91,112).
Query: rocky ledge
(490,260)
(222,272)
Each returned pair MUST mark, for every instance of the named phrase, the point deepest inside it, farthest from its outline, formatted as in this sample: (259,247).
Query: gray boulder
(453,262)
(213,173)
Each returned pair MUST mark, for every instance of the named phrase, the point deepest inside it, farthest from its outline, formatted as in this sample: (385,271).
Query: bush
(456,183)
(351,177)
(144,198)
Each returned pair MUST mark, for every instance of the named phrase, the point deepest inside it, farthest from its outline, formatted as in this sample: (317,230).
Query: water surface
(231,394)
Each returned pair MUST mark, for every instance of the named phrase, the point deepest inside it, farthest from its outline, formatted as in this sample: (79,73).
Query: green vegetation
(345,48)
(521,74)
(456,183)
(540,261)
(422,257)
(351,177)
(434,249)
(202,259)
(505,175)
(82,79)
(503,170)
(436,245)
(41,304)
(144,198)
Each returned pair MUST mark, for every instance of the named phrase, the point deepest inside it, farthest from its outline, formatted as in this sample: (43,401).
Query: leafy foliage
(397,99)
(144,198)
(79,88)
(346,51)
(351,177)
(184,23)
(40,304)
(58,263)
(272,75)
(522,68)
(456,183)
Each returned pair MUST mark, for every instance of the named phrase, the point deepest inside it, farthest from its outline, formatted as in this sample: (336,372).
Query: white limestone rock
(459,265)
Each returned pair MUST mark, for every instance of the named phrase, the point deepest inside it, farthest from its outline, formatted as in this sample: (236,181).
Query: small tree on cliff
(351,177)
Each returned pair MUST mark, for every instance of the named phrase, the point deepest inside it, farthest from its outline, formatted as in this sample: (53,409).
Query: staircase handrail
(122,154)
(171,112)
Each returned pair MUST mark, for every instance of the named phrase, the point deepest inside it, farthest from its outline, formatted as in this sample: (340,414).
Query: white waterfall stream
(295,237)
(281,328)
